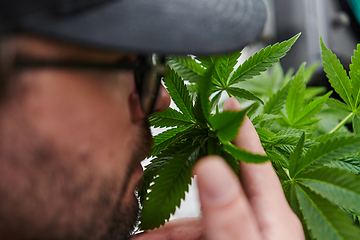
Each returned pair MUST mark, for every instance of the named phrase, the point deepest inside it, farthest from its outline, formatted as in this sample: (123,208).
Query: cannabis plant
(319,169)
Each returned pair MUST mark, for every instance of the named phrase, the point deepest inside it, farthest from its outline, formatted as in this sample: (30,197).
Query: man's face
(71,142)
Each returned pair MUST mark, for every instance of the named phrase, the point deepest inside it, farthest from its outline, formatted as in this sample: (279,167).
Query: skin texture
(253,209)
(71,142)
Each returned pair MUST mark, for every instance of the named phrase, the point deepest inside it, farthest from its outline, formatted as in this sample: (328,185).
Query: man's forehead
(39,46)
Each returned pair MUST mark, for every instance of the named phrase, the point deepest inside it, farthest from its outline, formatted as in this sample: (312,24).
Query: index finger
(260,182)
(257,179)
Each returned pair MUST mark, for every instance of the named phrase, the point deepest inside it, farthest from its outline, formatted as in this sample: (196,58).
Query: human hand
(254,209)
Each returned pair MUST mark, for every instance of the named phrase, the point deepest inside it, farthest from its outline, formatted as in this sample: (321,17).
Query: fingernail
(232,104)
(217,183)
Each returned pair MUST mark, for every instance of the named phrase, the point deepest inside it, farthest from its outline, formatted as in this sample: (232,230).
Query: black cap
(202,27)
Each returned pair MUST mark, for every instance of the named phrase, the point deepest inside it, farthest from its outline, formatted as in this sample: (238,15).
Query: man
(77,85)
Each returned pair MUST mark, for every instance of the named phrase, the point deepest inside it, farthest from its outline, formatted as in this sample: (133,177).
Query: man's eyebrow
(122,58)
(126,57)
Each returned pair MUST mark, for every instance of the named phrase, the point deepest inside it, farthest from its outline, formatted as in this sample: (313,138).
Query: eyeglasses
(148,69)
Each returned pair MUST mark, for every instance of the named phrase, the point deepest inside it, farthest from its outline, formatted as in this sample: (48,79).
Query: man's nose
(163,100)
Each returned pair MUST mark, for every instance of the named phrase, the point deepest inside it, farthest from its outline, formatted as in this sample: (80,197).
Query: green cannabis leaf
(262,60)
(347,87)
(301,129)
(196,131)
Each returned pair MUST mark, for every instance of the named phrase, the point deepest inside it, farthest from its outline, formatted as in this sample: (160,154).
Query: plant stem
(342,123)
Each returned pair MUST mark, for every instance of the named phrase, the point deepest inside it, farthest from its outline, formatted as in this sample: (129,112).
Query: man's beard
(21,148)
(125,218)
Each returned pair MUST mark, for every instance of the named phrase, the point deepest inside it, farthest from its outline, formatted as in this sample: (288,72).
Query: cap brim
(202,27)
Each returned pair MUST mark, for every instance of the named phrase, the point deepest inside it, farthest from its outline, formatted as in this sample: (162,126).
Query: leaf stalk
(342,123)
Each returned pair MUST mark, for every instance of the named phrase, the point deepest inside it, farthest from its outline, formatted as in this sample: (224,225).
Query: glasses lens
(151,70)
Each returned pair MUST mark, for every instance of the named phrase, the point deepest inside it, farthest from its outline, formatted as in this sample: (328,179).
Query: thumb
(226,211)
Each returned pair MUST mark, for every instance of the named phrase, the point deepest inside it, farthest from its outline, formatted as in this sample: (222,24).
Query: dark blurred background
(337,21)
